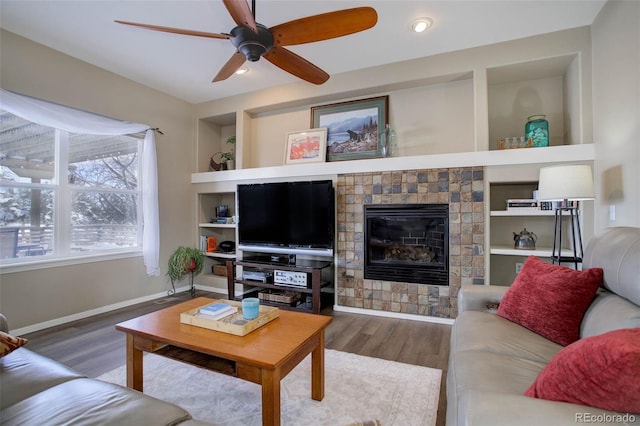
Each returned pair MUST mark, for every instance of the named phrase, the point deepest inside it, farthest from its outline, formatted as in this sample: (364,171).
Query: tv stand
(314,289)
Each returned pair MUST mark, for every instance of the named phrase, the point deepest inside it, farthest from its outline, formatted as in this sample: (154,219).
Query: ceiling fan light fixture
(421,24)
(252,50)
(252,45)
(242,70)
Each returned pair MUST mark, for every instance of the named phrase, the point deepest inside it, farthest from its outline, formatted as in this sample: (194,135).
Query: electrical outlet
(518,267)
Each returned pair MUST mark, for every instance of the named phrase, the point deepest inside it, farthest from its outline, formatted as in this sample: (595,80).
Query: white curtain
(150,218)
(76,121)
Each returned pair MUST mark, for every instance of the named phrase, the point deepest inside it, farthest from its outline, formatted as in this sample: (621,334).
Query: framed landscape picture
(306,146)
(353,127)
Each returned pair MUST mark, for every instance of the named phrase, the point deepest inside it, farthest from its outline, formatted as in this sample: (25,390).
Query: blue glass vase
(536,131)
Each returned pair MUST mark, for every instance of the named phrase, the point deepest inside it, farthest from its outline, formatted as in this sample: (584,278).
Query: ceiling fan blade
(230,67)
(324,26)
(296,65)
(241,13)
(176,30)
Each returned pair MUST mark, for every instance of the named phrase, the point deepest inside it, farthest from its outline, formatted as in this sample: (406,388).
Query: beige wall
(616,93)
(434,119)
(37,296)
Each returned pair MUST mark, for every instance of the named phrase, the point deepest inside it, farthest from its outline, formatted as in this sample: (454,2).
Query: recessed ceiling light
(421,24)
(242,70)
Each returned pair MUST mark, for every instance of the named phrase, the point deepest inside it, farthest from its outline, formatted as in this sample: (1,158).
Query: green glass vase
(536,131)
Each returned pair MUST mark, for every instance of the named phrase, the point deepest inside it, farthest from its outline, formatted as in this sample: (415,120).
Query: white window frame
(62,209)
(82,122)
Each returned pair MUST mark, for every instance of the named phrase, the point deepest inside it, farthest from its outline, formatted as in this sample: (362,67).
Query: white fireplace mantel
(554,154)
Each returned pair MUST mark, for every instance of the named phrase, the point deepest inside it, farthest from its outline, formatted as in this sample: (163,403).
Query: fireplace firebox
(407,243)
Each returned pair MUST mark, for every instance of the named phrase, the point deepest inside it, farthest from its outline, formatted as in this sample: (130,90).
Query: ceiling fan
(253,40)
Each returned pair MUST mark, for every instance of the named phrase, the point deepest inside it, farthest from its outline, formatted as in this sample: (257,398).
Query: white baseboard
(101,310)
(398,315)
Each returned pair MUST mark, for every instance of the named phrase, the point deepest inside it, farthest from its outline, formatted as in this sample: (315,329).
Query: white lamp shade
(568,182)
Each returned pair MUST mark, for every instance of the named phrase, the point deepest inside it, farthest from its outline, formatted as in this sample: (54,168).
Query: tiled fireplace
(407,243)
(461,190)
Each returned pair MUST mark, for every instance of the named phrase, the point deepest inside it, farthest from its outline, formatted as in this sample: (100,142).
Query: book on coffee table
(217,310)
(233,323)
(218,316)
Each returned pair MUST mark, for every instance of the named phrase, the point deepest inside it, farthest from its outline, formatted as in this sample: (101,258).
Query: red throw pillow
(600,371)
(550,299)
(9,343)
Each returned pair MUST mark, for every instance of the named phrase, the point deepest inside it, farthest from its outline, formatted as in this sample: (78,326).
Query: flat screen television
(287,217)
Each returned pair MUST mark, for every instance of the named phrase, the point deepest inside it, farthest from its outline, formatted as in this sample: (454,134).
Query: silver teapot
(525,240)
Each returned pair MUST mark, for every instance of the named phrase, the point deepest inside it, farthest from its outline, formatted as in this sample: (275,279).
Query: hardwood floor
(93,346)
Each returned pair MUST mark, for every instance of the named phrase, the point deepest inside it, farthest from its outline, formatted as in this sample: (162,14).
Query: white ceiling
(184,66)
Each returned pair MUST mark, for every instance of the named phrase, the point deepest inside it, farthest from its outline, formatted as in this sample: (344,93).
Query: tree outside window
(64,194)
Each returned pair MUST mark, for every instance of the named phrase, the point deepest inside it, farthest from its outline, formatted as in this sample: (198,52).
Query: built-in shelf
(207,204)
(217,225)
(538,252)
(218,255)
(504,260)
(546,155)
(511,213)
(489,97)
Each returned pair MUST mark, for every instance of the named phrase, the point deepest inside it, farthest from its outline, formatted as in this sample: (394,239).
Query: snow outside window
(65,194)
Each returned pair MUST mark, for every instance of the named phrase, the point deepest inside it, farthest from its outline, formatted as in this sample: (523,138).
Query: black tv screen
(287,217)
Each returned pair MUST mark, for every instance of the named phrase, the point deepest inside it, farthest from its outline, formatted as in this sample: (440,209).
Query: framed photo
(306,146)
(353,127)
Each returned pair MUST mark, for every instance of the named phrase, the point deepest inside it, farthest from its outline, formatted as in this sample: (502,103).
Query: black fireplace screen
(407,243)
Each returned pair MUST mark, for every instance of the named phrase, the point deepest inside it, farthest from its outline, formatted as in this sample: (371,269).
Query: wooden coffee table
(264,356)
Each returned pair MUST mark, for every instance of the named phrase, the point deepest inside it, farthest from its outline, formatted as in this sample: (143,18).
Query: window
(65,194)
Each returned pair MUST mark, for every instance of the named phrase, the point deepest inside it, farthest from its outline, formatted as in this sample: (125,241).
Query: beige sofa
(36,390)
(493,361)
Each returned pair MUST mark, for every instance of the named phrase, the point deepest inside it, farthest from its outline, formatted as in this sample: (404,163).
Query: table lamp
(566,185)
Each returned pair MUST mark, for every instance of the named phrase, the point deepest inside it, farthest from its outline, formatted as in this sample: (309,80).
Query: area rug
(357,389)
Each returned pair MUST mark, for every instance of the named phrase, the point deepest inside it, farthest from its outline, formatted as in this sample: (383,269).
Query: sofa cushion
(600,371)
(609,312)
(616,250)
(24,373)
(550,299)
(493,354)
(482,408)
(493,372)
(92,402)
(485,332)
(9,343)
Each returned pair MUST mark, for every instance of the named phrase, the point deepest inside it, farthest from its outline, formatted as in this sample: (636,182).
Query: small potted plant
(229,157)
(184,261)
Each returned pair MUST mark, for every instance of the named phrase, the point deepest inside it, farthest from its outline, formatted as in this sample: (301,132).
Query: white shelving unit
(217,225)
(510,250)
(486,103)
(216,255)
(504,258)
(539,251)
(206,208)
(221,181)
(521,213)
